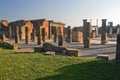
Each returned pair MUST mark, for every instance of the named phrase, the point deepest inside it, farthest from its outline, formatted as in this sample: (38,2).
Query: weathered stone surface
(86,34)
(104,39)
(118,48)
(3,38)
(60,39)
(33,34)
(39,37)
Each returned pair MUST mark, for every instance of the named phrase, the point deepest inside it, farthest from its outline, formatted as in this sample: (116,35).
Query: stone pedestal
(60,39)
(118,48)
(104,39)
(86,34)
(27,35)
(16,35)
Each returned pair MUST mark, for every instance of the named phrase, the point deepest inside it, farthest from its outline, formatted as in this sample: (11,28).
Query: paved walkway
(95,47)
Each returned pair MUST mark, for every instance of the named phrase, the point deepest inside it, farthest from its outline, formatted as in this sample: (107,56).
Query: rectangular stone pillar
(10,32)
(69,34)
(55,35)
(43,34)
(86,33)
(104,33)
(20,33)
(33,34)
(39,37)
(60,39)
(16,35)
(49,30)
(27,40)
(118,48)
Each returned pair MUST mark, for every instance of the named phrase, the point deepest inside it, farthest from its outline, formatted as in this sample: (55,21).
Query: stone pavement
(95,47)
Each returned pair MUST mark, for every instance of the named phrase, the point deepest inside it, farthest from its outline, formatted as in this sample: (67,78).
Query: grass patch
(35,66)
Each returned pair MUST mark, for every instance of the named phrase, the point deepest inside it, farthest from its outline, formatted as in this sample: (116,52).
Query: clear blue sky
(70,12)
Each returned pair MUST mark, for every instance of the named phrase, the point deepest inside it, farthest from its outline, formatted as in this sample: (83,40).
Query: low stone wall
(58,50)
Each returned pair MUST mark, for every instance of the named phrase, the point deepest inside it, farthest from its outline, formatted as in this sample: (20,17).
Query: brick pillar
(16,35)
(27,39)
(118,48)
(55,35)
(69,34)
(60,39)
(39,38)
(104,33)
(86,34)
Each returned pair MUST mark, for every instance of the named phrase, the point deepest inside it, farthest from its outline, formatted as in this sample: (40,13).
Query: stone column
(118,48)
(60,39)
(110,29)
(86,34)
(27,35)
(43,34)
(33,34)
(10,32)
(69,34)
(118,29)
(39,38)
(20,33)
(104,33)
(55,35)
(49,30)
(16,35)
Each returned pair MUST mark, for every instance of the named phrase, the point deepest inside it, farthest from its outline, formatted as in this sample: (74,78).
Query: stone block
(102,56)
(49,53)
(73,52)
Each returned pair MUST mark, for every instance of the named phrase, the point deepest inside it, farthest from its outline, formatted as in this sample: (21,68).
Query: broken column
(86,33)
(16,35)
(60,39)
(118,48)
(69,34)
(27,40)
(3,39)
(104,32)
(55,35)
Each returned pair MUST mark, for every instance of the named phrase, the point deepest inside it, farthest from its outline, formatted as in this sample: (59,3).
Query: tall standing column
(55,35)
(60,39)
(104,32)
(49,30)
(118,29)
(69,34)
(16,35)
(33,34)
(118,48)
(27,40)
(10,32)
(39,38)
(86,34)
